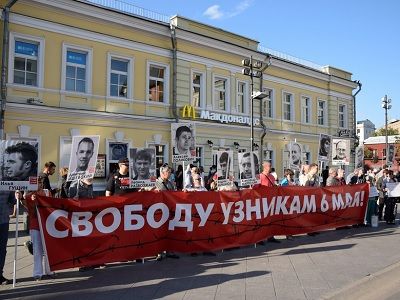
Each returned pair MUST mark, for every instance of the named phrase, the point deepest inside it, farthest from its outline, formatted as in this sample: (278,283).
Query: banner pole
(16,245)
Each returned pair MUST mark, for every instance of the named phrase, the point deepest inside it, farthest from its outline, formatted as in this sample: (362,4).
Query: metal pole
(16,245)
(251,106)
(386,132)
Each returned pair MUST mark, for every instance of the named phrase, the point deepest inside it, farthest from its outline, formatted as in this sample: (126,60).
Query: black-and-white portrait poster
(183,140)
(225,167)
(340,152)
(295,155)
(359,162)
(249,166)
(391,152)
(142,167)
(325,146)
(84,150)
(19,165)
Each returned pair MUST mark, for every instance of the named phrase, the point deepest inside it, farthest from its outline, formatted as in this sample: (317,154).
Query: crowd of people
(190,179)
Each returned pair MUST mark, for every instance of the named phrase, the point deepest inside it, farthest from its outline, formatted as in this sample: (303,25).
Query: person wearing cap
(119,182)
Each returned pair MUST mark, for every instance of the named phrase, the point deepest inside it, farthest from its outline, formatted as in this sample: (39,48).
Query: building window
(321,112)
(26,63)
(158,83)
(268,107)
(26,57)
(288,107)
(220,94)
(198,161)
(305,109)
(241,97)
(342,116)
(197,90)
(119,77)
(76,71)
(268,156)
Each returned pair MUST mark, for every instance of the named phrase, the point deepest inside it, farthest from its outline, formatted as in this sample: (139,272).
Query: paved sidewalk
(333,264)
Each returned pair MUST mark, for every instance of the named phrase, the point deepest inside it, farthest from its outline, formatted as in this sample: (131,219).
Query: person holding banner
(164,184)
(119,182)
(266,178)
(41,266)
(4,225)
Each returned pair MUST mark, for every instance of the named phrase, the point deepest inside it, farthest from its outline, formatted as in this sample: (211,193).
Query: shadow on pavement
(137,280)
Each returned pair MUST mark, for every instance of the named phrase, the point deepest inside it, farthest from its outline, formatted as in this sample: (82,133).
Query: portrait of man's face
(296,154)
(341,150)
(184,141)
(15,167)
(142,167)
(245,165)
(84,153)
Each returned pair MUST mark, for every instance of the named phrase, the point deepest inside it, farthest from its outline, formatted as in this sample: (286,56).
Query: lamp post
(252,69)
(386,105)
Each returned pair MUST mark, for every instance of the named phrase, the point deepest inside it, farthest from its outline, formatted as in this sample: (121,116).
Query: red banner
(137,225)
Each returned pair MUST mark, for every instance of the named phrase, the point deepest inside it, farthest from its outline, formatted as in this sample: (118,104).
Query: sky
(359,36)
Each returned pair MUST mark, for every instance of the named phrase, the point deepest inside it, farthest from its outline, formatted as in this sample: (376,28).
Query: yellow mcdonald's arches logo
(189,112)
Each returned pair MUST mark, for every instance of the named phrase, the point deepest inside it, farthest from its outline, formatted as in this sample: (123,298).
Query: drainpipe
(4,62)
(264,127)
(174,72)
(354,115)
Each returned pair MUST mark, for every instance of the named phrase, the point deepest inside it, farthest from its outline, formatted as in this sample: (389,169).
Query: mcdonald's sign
(188,111)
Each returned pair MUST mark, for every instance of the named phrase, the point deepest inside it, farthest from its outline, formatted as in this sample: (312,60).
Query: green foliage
(382,132)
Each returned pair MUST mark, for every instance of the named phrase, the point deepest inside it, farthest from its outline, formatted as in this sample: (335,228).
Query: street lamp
(386,105)
(252,69)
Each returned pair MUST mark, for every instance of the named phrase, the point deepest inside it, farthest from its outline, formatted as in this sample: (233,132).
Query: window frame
(166,81)
(325,112)
(271,101)
(227,92)
(130,76)
(344,115)
(89,67)
(14,36)
(245,109)
(292,108)
(202,88)
(306,110)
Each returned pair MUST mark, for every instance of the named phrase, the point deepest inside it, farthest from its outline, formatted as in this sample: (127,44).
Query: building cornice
(85,116)
(85,34)
(118,17)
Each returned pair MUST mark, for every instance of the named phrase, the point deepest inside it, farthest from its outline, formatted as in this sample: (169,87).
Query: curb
(379,285)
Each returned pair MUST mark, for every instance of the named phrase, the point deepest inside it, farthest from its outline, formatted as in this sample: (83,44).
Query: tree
(382,132)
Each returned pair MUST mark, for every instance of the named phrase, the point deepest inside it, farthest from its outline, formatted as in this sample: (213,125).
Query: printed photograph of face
(248,165)
(225,164)
(84,153)
(295,154)
(83,157)
(143,167)
(324,146)
(19,161)
(340,151)
(183,139)
(359,157)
